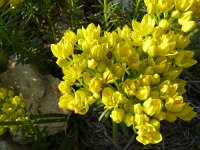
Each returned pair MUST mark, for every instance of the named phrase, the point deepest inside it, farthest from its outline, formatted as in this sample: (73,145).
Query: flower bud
(117,115)
(164,24)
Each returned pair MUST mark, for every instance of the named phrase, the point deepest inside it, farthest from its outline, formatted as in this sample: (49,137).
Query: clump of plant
(12,109)
(133,72)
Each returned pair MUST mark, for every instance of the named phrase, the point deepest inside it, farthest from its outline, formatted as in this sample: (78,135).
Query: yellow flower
(184,58)
(159,64)
(166,48)
(87,77)
(129,87)
(108,76)
(129,106)
(71,74)
(182,41)
(175,14)
(149,46)
(147,23)
(122,51)
(160,116)
(183,5)
(117,70)
(147,134)
(185,17)
(129,119)
(138,108)
(64,87)
(125,33)
(172,73)
(165,5)
(174,104)
(17,100)
(96,85)
(134,61)
(63,49)
(111,98)
(141,119)
(166,89)
(92,63)
(145,80)
(181,86)
(66,101)
(81,105)
(164,24)
(155,123)
(142,93)
(188,26)
(70,36)
(98,52)
(170,116)
(117,115)
(187,113)
(91,32)
(152,106)
(151,5)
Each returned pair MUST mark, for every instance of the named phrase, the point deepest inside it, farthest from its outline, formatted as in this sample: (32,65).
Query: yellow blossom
(187,113)
(164,24)
(117,115)
(188,26)
(152,106)
(185,17)
(138,108)
(111,98)
(147,134)
(165,5)
(174,104)
(160,116)
(183,5)
(96,85)
(155,123)
(142,93)
(129,119)
(64,87)
(147,23)
(170,116)
(184,58)
(122,52)
(129,87)
(141,119)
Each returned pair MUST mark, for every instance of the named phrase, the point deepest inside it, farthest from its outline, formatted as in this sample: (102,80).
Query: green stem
(72,11)
(105,13)
(124,129)
(137,8)
(52,28)
(115,132)
(105,112)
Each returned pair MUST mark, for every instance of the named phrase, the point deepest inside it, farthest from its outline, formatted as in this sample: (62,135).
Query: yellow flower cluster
(12,108)
(134,71)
